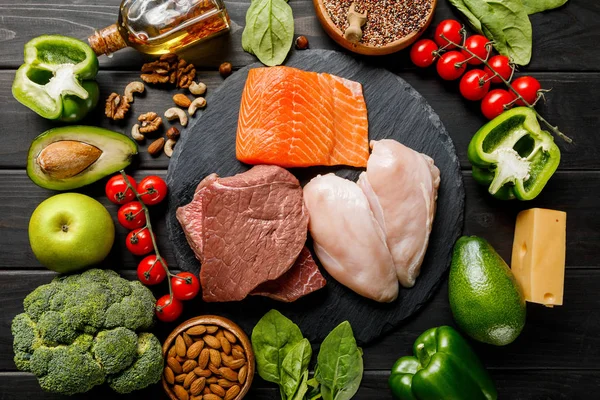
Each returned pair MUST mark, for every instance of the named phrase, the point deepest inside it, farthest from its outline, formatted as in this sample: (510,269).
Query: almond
(230,336)
(174,364)
(219,334)
(180,346)
(169,376)
(180,378)
(225,345)
(212,341)
(195,349)
(187,339)
(189,378)
(196,330)
(224,383)
(232,392)
(156,147)
(206,391)
(189,366)
(210,329)
(237,354)
(215,370)
(181,100)
(211,396)
(212,379)
(218,390)
(238,348)
(172,351)
(181,360)
(203,358)
(225,357)
(215,357)
(180,392)
(196,397)
(202,372)
(197,386)
(242,374)
(235,364)
(228,373)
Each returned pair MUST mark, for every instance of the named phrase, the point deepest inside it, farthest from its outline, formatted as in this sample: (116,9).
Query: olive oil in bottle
(162,26)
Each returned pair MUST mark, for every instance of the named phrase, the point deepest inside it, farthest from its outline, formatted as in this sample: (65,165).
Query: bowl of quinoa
(391,25)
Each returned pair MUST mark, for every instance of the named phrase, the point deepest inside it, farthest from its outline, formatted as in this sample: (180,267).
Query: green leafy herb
(294,365)
(536,6)
(340,364)
(272,339)
(269,30)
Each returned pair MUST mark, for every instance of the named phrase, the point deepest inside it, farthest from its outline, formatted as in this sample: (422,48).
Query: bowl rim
(338,36)
(222,322)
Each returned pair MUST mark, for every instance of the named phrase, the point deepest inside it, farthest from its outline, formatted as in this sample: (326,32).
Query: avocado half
(73,156)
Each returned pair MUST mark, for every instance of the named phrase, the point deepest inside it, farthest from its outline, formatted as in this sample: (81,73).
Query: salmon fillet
(294,118)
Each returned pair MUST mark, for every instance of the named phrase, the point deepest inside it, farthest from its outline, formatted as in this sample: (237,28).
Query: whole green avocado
(486,300)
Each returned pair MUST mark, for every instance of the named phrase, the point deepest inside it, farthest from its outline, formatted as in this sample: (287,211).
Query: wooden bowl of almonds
(372,27)
(209,358)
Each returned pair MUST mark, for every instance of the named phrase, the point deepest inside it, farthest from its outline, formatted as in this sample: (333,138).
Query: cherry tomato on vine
(150,271)
(422,53)
(139,242)
(131,215)
(478,45)
(500,64)
(185,286)
(451,65)
(474,85)
(117,190)
(451,29)
(152,190)
(167,309)
(527,87)
(493,103)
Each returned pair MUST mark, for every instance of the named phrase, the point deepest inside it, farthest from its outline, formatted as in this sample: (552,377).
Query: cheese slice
(538,257)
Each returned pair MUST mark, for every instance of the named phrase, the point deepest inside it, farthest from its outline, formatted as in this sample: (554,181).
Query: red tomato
(451,65)
(527,87)
(478,45)
(493,103)
(167,309)
(139,242)
(117,190)
(185,286)
(152,190)
(422,53)
(451,30)
(150,271)
(474,85)
(131,215)
(500,64)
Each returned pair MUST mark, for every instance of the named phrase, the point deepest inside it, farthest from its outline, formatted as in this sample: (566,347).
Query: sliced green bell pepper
(443,367)
(513,156)
(57,79)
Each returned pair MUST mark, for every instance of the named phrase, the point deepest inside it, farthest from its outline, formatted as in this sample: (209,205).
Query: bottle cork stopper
(107,40)
(356,20)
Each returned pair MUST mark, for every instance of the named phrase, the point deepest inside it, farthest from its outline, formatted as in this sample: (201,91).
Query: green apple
(70,231)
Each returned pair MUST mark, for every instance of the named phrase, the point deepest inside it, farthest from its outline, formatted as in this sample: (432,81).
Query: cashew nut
(200,102)
(135,133)
(137,87)
(168,149)
(197,89)
(177,113)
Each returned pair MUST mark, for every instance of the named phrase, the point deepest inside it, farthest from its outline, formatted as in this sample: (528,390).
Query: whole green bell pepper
(57,79)
(443,367)
(513,156)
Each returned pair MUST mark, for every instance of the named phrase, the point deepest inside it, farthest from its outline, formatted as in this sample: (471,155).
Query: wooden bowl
(225,324)
(336,34)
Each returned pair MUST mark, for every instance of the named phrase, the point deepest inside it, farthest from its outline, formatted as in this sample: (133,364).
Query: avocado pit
(67,158)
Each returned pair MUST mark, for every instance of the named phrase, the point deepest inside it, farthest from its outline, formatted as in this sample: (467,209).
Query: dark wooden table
(558,354)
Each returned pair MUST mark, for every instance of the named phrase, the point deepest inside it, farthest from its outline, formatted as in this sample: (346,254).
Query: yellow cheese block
(538,257)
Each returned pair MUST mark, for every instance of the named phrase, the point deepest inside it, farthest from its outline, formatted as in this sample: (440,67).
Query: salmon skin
(294,118)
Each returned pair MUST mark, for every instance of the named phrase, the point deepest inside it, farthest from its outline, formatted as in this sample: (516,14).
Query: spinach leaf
(272,339)
(302,388)
(294,365)
(340,364)
(269,30)
(472,19)
(536,6)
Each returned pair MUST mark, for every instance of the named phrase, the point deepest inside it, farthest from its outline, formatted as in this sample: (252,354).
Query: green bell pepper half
(513,156)
(443,367)
(57,79)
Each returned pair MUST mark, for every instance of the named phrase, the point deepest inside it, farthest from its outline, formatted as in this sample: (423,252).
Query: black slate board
(396,111)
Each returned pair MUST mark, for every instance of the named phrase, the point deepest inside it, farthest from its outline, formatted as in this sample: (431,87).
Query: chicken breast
(401,186)
(348,239)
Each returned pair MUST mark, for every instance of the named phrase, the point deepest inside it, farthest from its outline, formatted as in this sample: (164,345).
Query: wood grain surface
(558,353)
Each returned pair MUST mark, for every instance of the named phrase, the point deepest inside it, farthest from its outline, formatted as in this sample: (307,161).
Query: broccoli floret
(115,349)
(81,328)
(145,370)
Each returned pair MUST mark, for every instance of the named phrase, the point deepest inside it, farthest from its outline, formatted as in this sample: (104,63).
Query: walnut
(150,122)
(116,106)
(169,68)
(185,74)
